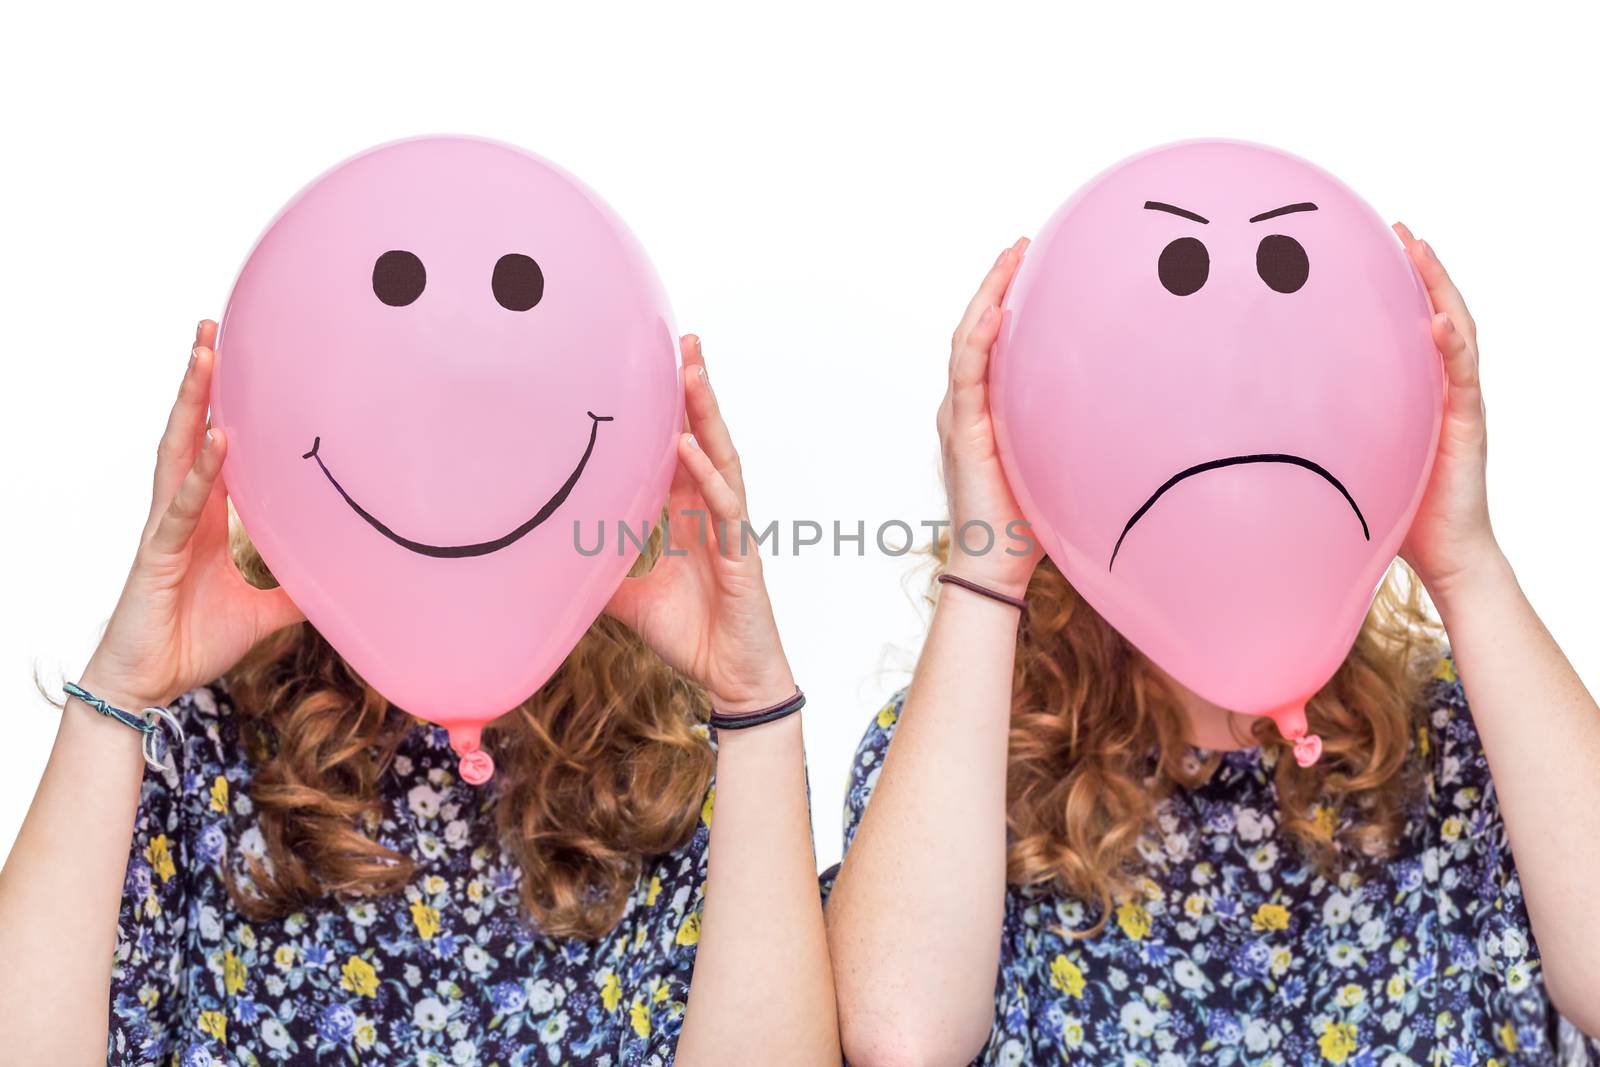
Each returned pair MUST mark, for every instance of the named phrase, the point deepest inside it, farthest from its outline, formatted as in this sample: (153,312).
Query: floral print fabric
(446,972)
(1237,953)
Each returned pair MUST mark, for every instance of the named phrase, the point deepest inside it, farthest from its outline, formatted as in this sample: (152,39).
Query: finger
(1460,360)
(182,515)
(1441,289)
(969,368)
(993,288)
(205,334)
(722,502)
(706,422)
(626,602)
(186,422)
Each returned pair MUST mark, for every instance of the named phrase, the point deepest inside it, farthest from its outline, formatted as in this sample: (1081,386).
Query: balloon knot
(477,766)
(1307,749)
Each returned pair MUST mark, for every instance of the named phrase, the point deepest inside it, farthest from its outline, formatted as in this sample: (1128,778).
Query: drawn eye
(1281,261)
(1184,266)
(398,278)
(518,282)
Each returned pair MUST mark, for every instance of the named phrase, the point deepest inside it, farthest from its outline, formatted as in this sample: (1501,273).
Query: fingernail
(194,353)
(1001,258)
(210,439)
(702,372)
(1427,250)
(694,444)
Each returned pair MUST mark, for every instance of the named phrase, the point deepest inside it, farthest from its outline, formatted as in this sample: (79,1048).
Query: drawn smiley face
(436,350)
(399,280)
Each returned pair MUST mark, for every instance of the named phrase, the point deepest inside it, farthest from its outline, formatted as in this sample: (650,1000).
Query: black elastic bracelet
(764,715)
(992,594)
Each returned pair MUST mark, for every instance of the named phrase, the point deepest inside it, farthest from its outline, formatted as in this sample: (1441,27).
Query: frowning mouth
(1230,461)
(482,548)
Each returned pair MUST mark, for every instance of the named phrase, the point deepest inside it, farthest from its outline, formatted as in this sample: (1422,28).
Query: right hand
(186,614)
(974,482)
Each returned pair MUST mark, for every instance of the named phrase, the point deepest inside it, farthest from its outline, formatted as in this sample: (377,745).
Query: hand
(974,483)
(704,609)
(186,615)
(1451,537)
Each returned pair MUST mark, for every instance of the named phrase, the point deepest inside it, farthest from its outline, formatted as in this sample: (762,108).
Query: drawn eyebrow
(1156,205)
(1287,209)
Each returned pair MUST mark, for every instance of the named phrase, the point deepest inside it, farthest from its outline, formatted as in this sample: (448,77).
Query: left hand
(1451,536)
(704,609)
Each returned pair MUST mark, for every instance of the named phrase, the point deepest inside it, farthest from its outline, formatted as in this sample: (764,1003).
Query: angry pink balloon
(440,356)
(1217,400)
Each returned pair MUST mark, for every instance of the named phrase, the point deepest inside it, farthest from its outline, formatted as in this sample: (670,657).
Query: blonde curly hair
(1098,739)
(600,768)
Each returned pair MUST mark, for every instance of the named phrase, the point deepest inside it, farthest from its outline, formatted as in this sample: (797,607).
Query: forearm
(1541,733)
(762,915)
(914,918)
(61,891)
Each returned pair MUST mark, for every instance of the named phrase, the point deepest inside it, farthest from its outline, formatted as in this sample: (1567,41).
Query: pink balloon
(1217,399)
(439,358)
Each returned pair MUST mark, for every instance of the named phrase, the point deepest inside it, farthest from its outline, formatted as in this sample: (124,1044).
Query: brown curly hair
(1098,739)
(600,768)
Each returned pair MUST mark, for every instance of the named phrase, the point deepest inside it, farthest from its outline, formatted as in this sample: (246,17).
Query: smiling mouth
(1231,461)
(482,548)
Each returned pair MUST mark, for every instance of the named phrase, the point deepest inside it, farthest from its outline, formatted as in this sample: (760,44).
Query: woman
(312,883)
(1070,857)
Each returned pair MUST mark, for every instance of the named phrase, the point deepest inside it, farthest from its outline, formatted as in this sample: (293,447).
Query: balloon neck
(477,767)
(1291,722)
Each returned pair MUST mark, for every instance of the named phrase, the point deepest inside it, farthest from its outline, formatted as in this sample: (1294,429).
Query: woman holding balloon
(315,873)
(1069,852)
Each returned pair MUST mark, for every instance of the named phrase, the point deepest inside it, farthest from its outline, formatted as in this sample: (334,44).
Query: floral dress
(1235,952)
(446,972)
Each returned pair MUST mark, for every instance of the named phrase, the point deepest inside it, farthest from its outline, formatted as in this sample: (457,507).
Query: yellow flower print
(215,1024)
(149,996)
(233,972)
(359,977)
(1133,919)
(1350,995)
(661,993)
(1065,976)
(1270,917)
(475,890)
(219,794)
(887,716)
(1396,986)
(434,885)
(158,853)
(1194,905)
(1508,1036)
(1451,829)
(1422,740)
(1446,670)
(705,809)
(653,892)
(611,991)
(247,936)
(366,1032)
(425,918)
(1072,1032)
(639,1017)
(283,956)
(689,930)
(1282,960)
(1323,819)
(1338,1040)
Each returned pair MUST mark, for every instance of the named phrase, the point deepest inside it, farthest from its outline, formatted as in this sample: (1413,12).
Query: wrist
(1486,571)
(754,696)
(1008,581)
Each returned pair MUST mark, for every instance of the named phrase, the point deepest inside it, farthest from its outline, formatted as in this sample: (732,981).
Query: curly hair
(1098,739)
(600,768)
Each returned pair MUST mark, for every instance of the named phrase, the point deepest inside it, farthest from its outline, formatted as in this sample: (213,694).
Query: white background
(820,187)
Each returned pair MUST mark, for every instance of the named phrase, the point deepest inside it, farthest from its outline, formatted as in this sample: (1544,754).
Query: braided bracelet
(781,710)
(992,594)
(147,722)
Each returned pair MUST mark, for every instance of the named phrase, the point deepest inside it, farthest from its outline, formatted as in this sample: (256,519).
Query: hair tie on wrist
(147,722)
(781,710)
(993,594)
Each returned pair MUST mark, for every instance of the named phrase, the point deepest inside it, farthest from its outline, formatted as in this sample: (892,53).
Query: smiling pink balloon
(443,354)
(1217,400)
